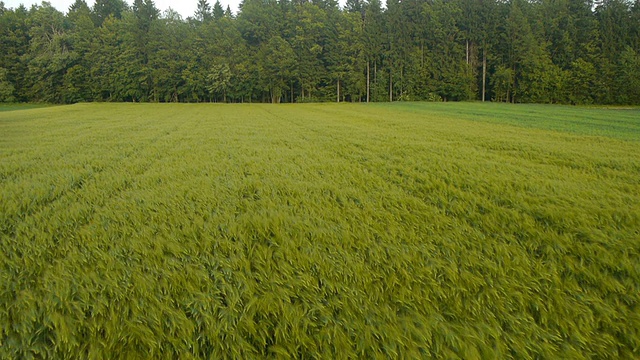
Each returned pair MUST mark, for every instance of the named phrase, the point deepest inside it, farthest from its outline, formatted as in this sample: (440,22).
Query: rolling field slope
(319,231)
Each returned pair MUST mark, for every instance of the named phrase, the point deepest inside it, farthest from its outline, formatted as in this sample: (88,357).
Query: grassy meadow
(319,231)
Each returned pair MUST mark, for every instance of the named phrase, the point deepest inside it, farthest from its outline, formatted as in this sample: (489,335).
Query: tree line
(541,51)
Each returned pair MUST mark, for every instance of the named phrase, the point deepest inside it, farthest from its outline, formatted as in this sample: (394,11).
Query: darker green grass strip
(14,107)
(613,123)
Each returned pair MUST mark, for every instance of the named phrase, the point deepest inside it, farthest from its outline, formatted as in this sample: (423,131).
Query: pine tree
(102,9)
(203,11)
(218,11)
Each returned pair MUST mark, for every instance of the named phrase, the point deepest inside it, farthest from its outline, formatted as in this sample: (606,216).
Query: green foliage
(583,82)
(502,81)
(218,80)
(50,56)
(217,12)
(407,230)
(628,77)
(6,88)
(300,51)
(103,9)
(203,11)
(277,67)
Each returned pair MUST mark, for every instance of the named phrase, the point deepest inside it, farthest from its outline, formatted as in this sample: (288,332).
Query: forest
(549,51)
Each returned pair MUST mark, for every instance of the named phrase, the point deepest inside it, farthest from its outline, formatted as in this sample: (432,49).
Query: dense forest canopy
(547,51)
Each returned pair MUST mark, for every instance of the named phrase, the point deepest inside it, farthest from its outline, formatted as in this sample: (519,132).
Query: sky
(186,8)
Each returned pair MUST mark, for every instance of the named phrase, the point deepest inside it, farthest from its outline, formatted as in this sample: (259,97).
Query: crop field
(319,231)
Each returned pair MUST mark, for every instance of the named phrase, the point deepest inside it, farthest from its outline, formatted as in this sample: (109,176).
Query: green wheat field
(319,231)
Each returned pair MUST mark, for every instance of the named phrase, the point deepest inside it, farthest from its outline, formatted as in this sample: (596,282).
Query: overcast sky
(186,8)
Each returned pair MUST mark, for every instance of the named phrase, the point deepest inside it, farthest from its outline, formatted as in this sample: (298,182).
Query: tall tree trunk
(338,87)
(401,82)
(368,83)
(467,51)
(390,85)
(484,71)
(375,79)
(515,84)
